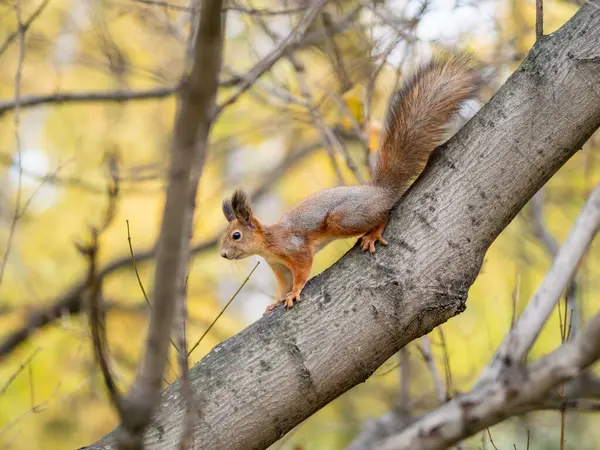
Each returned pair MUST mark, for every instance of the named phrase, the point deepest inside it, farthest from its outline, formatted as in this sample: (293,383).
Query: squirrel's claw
(289,299)
(368,240)
(271,307)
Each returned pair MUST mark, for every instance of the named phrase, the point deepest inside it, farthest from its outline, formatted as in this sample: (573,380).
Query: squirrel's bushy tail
(418,116)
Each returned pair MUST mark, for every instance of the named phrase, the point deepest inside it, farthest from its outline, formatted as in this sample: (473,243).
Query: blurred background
(96,78)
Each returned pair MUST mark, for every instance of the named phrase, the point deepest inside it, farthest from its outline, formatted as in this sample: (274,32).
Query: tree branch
(189,145)
(493,402)
(259,384)
(244,81)
(290,42)
(509,373)
(29,101)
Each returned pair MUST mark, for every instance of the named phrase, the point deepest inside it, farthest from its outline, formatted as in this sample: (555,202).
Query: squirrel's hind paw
(288,300)
(271,307)
(368,240)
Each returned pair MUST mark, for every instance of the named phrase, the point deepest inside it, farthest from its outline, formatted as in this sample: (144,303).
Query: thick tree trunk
(256,386)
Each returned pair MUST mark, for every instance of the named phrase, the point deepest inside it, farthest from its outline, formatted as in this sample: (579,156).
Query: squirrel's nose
(224,254)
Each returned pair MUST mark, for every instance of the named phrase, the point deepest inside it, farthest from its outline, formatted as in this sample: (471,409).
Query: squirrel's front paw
(289,299)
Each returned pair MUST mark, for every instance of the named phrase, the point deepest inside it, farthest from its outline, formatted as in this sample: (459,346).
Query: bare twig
(491,440)
(223,310)
(17,123)
(137,274)
(317,119)
(356,126)
(292,40)
(94,284)
(336,56)
(121,95)
(12,378)
(565,331)
(24,26)
(447,369)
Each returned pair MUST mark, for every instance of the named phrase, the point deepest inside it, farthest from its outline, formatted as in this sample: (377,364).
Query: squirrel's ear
(228,210)
(241,206)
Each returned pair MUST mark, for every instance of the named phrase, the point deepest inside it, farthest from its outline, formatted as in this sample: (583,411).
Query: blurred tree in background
(98,78)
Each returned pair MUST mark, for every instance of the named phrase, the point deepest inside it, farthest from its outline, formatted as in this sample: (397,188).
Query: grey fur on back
(358,204)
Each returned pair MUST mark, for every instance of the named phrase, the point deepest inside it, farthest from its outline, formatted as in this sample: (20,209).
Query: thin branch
(549,242)
(358,131)
(23,26)
(94,285)
(245,81)
(435,373)
(118,96)
(135,268)
(539,227)
(292,40)
(12,378)
(137,274)
(517,344)
(447,369)
(30,101)
(491,440)
(317,119)
(17,124)
(337,60)
(489,404)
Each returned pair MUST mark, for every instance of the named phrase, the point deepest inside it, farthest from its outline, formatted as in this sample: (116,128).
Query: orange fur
(416,123)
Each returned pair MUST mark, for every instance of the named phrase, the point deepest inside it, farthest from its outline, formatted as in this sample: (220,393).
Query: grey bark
(259,384)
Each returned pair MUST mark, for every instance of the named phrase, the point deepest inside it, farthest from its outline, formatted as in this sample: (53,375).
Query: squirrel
(415,125)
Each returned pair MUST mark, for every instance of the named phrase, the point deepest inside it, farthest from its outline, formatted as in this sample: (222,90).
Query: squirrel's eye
(236,235)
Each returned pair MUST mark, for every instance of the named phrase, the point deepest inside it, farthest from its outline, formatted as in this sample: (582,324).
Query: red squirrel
(415,125)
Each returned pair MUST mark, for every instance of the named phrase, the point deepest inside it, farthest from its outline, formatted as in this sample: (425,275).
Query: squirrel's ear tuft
(241,206)
(228,210)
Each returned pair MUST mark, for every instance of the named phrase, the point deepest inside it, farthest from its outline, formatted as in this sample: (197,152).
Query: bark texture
(259,384)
